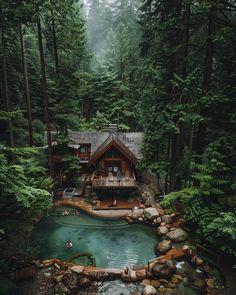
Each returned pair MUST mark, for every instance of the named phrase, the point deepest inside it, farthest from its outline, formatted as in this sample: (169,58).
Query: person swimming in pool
(68,244)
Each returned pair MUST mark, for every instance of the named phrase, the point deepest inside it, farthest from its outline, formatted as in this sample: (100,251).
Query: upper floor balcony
(111,181)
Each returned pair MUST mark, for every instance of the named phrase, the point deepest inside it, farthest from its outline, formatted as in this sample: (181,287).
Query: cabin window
(85,149)
(112,166)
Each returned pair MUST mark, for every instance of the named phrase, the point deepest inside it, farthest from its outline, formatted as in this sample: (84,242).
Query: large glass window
(112,166)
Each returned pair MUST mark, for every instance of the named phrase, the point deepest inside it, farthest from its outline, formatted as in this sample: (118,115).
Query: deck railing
(113,182)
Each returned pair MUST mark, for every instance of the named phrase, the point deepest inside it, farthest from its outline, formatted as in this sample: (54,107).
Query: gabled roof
(112,140)
(131,140)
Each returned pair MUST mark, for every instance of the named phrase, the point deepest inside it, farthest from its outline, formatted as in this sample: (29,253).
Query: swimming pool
(113,243)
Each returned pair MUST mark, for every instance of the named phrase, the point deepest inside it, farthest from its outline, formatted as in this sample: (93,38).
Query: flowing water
(114,243)
(193,282)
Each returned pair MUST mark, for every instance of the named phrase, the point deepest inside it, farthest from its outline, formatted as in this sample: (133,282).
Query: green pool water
(114,243)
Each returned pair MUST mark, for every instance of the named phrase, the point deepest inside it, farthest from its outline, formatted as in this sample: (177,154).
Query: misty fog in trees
(167,68)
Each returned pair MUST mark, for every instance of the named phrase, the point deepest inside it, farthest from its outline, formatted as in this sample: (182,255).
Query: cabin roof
(112,140)
(131,142)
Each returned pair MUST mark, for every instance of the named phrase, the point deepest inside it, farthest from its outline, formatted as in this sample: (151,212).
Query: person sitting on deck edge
(114,204)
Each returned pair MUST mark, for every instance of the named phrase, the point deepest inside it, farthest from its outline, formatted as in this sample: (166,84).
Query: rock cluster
(65,278)
(163,270)
(169,233)
(193,259)
(152,215)
(162,286)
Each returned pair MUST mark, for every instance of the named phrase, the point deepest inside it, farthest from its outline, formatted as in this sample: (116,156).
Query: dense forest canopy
(167,68)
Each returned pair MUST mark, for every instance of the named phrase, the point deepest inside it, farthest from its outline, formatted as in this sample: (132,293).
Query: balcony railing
(113,182)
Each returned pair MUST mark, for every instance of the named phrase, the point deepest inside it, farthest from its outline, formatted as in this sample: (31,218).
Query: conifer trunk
(186,38)
(26,85)
(5,80)
(207,74)
(175,145)
(45,99)
(167,159)
(174,158)
(54,40)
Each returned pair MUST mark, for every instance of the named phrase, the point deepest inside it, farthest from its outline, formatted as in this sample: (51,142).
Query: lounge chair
(127,176)
(110,177)
(119,176)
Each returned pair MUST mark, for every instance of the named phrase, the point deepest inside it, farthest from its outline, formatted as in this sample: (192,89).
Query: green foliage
(213,225)
(187,196)
(159,168)
(221,232)
(63,40)
(23,179)
(70,167)
(99,121)
(209,205)
(24,190)
(38,128)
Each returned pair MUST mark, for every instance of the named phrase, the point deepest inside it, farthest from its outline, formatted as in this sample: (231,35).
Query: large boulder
(177,235)
(164,271)
(150,213)
(78,269)
(137,213)
(162,230)
(167,218)
(149,290)
(164,246)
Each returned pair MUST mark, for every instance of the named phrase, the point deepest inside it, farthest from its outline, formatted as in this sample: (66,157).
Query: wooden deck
(121,204)
(84,206)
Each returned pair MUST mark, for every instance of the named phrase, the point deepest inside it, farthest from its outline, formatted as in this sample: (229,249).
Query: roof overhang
(118,144)
(70,145)
(73,146)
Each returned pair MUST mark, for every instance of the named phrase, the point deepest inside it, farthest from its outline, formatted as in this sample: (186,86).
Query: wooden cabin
(113,165)
(108,157)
